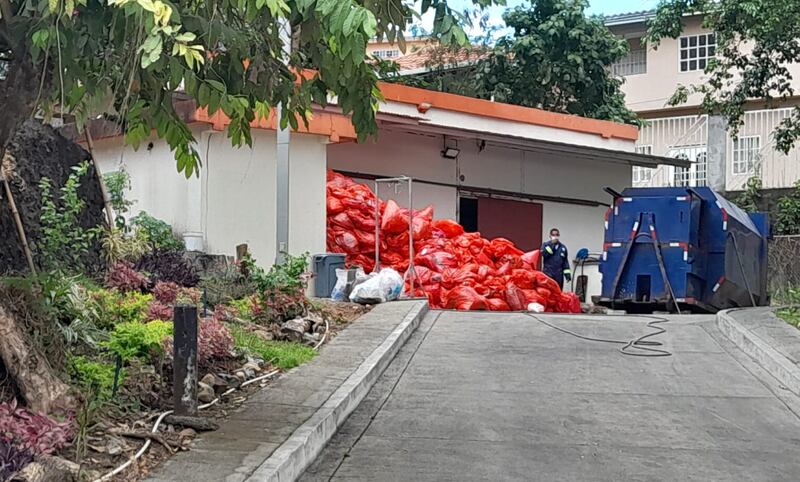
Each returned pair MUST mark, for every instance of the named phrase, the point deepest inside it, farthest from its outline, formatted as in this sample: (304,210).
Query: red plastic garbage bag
(393,222)
(497,304)
(544,281)
(362,221)
(465,298)
(343,220)
(532,258)
(348,242)
(334,205)
(452,278)
(515,298)
(569,303)
(421,228)
(437,260)
(450,228)
(501,247)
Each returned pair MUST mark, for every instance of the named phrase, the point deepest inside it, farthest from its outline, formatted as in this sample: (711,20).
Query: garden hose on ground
(163,415)
(636,347)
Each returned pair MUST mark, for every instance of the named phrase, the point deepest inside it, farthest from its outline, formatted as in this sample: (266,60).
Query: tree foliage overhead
(556,58)
(757,40)
(128,59)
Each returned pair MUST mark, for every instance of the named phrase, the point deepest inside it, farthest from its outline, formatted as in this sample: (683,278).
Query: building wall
(495,167)
(667,134)
(233,199)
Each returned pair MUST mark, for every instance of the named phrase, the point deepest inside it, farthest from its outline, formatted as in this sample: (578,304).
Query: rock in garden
(258,361)
(240,375)
(294,329)
(205,393)
(251,366)
(217,383)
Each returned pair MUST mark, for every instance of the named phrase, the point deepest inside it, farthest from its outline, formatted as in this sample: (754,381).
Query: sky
(604,7)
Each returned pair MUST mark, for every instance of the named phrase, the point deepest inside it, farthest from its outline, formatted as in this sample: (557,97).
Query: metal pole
(184,360)
(377,230)
(411,272)
(282,167)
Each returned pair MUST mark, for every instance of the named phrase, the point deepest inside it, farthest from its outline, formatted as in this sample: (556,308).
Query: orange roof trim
(497,110)
(336,126)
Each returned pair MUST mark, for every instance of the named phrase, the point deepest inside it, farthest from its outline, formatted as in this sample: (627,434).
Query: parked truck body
(682,249)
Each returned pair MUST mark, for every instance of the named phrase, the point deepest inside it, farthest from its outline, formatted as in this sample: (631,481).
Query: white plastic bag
(535,308)
(343,286)
(380,288)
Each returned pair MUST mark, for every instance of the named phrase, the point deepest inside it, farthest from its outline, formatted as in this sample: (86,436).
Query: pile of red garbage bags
(453,269)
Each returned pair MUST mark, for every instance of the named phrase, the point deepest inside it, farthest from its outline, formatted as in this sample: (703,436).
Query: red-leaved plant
(214,342)
(159,311)
(166,292)
(123,277)
(33,432)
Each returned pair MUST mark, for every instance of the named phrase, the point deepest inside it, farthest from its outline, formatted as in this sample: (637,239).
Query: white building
(510,171)
(652,75)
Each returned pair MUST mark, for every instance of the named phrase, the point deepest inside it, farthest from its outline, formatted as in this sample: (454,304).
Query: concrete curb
(772,360)
(289,461)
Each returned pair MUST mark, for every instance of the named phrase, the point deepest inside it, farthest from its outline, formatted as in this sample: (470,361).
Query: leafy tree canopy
(756,42)
(556,58)
(129,59)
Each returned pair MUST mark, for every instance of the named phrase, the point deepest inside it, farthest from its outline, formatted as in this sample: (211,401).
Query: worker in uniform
(555,260)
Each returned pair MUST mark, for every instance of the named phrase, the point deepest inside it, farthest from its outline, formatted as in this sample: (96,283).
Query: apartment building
(391,50)
(719,160)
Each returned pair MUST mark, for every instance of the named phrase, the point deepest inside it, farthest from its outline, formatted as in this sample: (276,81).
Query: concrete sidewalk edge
(772,360)
(289,461)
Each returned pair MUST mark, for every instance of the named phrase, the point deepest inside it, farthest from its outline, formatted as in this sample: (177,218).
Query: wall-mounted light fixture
(451,152)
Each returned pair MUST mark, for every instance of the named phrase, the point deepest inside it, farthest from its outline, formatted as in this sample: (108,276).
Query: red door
(519,221)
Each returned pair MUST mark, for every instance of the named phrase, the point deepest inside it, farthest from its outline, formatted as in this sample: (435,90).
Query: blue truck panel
(677,246)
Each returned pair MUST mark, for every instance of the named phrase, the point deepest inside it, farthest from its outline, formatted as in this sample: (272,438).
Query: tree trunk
(18,93)
(42,389)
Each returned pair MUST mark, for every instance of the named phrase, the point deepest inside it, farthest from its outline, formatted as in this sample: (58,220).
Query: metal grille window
(633,63)
(697,173)
(745,154)
(696,50)
(387,54)
(643,175)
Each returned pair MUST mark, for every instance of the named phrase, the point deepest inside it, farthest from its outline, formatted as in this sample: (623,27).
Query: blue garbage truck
(682,249)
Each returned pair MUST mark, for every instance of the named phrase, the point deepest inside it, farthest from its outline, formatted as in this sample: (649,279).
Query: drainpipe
(717,152)
(282,173)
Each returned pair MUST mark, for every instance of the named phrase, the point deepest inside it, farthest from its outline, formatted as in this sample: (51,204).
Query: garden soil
(37,151)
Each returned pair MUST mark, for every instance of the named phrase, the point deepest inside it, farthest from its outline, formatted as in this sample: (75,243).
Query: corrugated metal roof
(630,17)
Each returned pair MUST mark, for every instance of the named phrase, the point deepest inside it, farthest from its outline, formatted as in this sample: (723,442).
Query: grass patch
(282,354)
(791,297)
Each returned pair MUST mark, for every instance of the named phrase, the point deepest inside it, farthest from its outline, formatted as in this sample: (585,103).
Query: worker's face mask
(553,238)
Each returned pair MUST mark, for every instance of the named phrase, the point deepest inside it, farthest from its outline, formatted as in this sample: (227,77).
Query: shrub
(214,342)
(244,308)
(287,276)
(116,184)
(158,233)
(96,376)
(142,340)
(33,432)
(159,311)
(168,266)
(12,459)
(166,292)
(64,242)
(114,307)
(282,354)
(227,286)
(123,277)
(119,246)
(787,220)
(279,306)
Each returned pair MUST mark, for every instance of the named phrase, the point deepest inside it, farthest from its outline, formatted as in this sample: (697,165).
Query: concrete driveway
(483,396)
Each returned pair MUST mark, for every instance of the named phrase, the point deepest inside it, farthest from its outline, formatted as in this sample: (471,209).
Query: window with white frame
(643,175)
(633,63)
(697,173)
(695,51)
(387,54)
(746,154)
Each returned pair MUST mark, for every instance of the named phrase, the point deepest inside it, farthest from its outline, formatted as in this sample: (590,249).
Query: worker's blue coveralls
(555,262)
